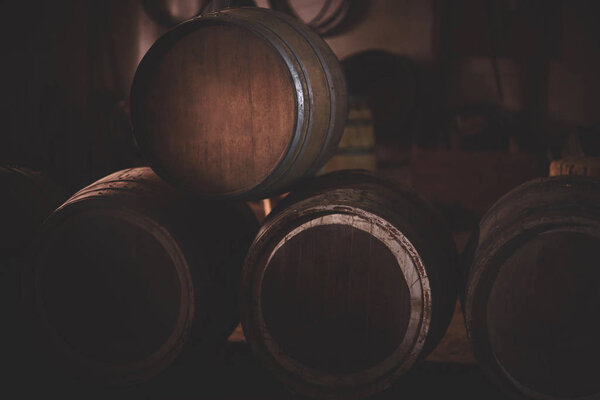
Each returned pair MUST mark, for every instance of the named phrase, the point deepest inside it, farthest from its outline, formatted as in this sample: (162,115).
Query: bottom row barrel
(349,282)
(129,271)
(28,197)
(532,292)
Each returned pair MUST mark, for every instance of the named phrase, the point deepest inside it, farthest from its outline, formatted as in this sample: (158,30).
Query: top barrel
(240,102)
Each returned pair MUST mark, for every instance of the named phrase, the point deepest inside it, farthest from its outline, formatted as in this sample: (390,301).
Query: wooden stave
(145,197)
(395,201)
(384,202)
(335,87)
(569,204)
(301,50)
(327,61)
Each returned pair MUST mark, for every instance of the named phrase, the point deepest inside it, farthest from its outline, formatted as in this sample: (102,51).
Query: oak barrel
(27,198)
(349,282)
(129,271)
(169,13)
(240,102)
(531,294)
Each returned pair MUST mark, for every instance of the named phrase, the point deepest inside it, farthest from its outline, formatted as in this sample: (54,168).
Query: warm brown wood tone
(239,102)
(27,198)
(356,149)
(350,281)
(531,293)
(129,270)
(586,166)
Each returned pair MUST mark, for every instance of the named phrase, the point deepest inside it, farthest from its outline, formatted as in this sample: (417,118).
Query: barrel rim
(562,181)
(115,374)
(359,384)
(298,78)
(304,103)
(481,280)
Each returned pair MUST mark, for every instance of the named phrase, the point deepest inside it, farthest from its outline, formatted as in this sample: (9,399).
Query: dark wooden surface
(334,279)
(335,300)
(232,373)
(532,281)
(244,101)
(129,271)
(221,122)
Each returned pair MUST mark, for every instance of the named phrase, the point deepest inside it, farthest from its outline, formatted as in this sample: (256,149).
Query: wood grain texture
(315,289)
(241,102)
(129,270)
(349,282)
(531,287)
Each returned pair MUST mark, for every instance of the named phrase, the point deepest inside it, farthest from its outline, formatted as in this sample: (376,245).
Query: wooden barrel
(356,149)
(326,17)
(348,283)
(531,293)
(129,270)
(239,102)
(27,198)
(585,166)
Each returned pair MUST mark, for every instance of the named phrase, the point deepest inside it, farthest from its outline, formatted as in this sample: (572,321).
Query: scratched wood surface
(240,102)
(335,299)
(532,285)
(129,271)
